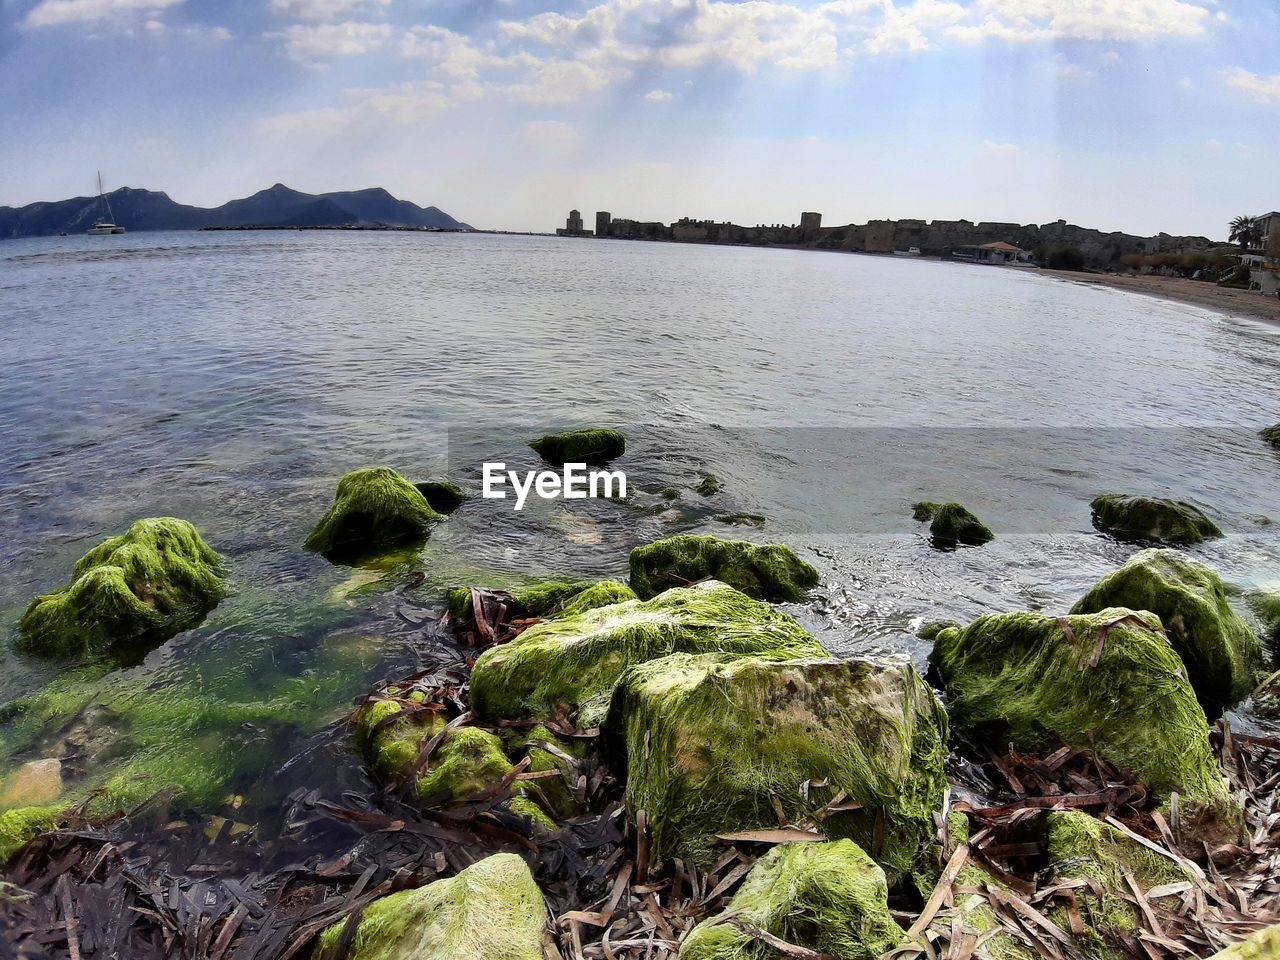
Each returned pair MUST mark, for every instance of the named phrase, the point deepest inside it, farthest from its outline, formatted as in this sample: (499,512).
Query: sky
(1135,115)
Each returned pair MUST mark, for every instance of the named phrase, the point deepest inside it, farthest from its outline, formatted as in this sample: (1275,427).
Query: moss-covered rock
(1152,518)
(1263,945)
(1219,650)
(558,791)
(443,496)
(764,571)
(709,485)
(1265,606)
(547,599)
(576,660)
(20,826)
(469,761)
(951,524)
(1271,435)
(374,508)
(492,910)
(593,447)
(1081,846)
(156,580)
(602,594)
(713,742)
(1029,679)
(826,897)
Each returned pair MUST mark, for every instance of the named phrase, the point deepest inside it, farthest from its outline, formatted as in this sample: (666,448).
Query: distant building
(602,223)
(573,226)
(998,252)
(1269,233)
(810,224)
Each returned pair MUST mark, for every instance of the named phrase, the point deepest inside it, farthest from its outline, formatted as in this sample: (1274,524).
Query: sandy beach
(1241,303)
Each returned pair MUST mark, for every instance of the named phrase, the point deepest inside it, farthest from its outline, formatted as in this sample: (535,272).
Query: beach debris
(374,508)
(593,447)
(764,571)
(443,496)
(951,525)
(491,909)
(1221,654)
(138,589)
(1092,681)
(826,899)
(1152,519)
(575,660)
(718,743)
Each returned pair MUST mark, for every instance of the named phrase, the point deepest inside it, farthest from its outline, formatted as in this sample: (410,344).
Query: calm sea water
(233,378)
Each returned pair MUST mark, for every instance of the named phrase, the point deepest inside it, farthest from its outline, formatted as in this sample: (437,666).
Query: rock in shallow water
(1031,680)
(712,742)
(951,524)
(443,496)
(1152,519)
(374,508)
(576,659)
(1272,435)
(592,447)
(156,580)
(827,897)
(764,571)
(1219,650)
(492,910)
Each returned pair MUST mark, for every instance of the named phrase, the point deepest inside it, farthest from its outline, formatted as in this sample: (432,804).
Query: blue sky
(1141,115)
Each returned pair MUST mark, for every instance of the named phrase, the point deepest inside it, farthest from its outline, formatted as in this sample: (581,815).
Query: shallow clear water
(233,378)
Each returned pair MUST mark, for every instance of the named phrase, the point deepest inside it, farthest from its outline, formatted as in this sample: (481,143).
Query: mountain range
(277,206)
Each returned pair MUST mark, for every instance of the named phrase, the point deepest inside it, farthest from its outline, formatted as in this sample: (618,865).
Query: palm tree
(1244,230)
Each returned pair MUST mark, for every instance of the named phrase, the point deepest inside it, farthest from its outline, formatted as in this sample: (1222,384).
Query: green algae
(527,808)
(557,791)
(1220,652)
(1265,606)
(154,581)
(576,660)
(469,761)
(669,493)
(492,910)
(443,496)
(951,524)
(826,897)
(1271,435)
(1081,846)
(713,742)
(1027,679)
(1152,518)
(549,598)
(20,826)
(709,485)
(593,447)
(602,594)
(763,571)
(1263,945)
(374,508)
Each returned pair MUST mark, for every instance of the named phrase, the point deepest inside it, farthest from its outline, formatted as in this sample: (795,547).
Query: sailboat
(104,225)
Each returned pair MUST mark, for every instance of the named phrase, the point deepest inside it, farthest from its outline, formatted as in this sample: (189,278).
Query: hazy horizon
(1141,116)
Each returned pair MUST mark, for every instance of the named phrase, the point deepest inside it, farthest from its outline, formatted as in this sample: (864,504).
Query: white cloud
(1260,88)
(1069,71)
(658,96)
(326,9)
(1028,20)
(1002,149)
(194,31)
(54,13)
(323,41)
(1186,84)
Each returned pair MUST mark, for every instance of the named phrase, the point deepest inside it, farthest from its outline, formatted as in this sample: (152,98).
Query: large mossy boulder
(575,660)
(764,571)
(592,447)
(374,508)
(1263,945)
(1107,681)
(951,524)
(1219,650)
(1152,519)
(716,743)
(1083,847)
(492,910)
(830,898)
(155,580)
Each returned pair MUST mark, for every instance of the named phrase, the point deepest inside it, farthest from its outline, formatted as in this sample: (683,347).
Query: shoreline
(1245,304)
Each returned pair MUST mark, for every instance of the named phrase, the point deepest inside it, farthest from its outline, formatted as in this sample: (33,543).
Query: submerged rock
(827,897)
(492,910)
(443,496)
(1083,847)
(592,447)
(1219,650)
(156,580)
(709,486)
(374,508)
(1152,518)
(713,742)
(741,519)
(1263,945)
(575,660)
(1031,680)
(21,825)
(33,783)
(1271,435)
(951,524)
(763,571)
